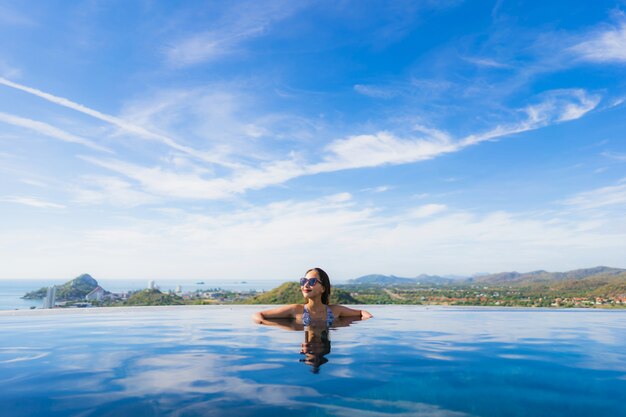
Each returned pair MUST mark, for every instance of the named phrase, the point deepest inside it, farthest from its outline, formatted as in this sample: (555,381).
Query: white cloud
(379,189)
(347,238)
(208,45)
(359,151)
(614,155)
(49,130)
(35,183)
(486,62)
(573,110)
(110,191)
(31,201)
(427,210)
(374,91)
(380,149)
(384,148)
(218,115)
(169,184)
(614,195)
(9,71)
(238,24)
(605,45)
(126,126)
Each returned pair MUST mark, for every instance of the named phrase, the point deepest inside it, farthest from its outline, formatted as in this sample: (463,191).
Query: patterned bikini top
(306,316)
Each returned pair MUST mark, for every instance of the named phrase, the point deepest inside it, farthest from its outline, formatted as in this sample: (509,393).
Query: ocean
(11,291)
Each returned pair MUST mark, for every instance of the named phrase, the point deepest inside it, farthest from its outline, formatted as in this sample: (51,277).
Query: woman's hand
(365,315)
(258,318)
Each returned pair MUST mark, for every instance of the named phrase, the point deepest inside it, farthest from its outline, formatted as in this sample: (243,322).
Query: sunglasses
(311,281)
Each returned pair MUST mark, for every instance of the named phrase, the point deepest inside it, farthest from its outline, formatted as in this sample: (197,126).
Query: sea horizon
(11,290)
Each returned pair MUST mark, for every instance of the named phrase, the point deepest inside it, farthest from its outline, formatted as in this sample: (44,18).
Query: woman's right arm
(282,312)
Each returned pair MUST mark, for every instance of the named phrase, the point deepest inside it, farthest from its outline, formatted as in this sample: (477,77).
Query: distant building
(96,294)
(151,285)
(179,289)
(50,299)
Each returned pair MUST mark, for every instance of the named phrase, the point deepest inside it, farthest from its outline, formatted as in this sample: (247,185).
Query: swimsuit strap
(329,315)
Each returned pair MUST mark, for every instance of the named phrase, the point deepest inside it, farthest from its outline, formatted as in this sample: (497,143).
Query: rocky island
(73,290)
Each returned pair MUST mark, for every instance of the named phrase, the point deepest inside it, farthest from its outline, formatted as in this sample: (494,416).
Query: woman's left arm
(344,311)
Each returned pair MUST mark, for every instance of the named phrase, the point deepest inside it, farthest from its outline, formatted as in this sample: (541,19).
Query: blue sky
(245,140)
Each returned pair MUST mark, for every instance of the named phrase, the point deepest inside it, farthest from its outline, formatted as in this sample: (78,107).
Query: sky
(254,140)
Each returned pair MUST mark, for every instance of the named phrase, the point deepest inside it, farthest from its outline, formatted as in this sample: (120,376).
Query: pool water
(406,361)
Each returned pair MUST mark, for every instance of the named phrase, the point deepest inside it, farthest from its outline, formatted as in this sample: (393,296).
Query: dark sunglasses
(311,281)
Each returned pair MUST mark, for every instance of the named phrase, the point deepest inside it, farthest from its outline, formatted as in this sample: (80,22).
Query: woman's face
(309,291)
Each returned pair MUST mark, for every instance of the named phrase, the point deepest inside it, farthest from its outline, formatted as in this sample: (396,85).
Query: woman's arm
(285,324)
(282,312)
(344,311)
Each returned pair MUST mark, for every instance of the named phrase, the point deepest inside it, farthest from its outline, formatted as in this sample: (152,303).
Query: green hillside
(72,290)
(152,298)
(289,293)
(603,284)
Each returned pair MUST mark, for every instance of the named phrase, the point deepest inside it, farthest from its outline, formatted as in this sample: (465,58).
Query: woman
(315,288)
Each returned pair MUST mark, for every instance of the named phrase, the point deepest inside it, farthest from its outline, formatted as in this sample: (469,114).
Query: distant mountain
(73,290)
(377,279)
(434,279)
(544,277)
(289,293)
(598,280)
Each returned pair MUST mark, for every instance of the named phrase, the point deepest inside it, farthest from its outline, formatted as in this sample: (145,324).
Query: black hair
(325,283)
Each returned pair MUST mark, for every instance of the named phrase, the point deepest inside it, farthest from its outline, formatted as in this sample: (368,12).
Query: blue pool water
(407,361)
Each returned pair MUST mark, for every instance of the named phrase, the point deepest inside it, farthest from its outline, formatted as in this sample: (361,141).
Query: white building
(179,289)
(96,294)
(151,285)
(50,299)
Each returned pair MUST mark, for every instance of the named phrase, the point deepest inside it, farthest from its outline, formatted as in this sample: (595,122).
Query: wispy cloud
(208,45)
(379,189)
(361,151)
(605,45)
(31,201)
(487,62)
(282,236)
(35,183)
(385,148)
(98,190)
(49,130)
(9,71)
(614,155)
(378,149)
(226,116)
(375,91)
(120,123)
(614,195)
(170,184)
(238,24)
(427,210)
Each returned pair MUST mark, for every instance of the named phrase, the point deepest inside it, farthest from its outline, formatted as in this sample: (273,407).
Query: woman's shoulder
(296,308)
(336,308)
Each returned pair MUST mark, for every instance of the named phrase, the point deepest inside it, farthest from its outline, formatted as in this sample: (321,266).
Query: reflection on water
(315,347)
(316,343)
(408,361)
